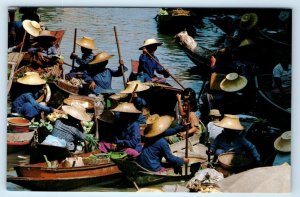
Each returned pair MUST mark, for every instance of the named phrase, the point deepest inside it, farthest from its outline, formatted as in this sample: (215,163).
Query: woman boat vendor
(127,137)
(148,63)
(156,146)
(67,132)
(25,103)
(231,139)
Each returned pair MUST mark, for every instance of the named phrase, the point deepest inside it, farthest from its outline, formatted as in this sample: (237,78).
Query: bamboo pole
(120,57)
(74,47)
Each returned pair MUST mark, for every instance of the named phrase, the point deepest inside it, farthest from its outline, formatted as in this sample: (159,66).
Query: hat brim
(84,46)
(233,127)
(158,44)
(278,145)
(233,86)
(103,60)
(76,113)
(29,29)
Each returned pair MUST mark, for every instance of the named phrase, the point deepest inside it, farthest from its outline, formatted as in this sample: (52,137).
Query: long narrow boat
(39,177)
(18,141)
(143,177)
(199,55)
(281,111)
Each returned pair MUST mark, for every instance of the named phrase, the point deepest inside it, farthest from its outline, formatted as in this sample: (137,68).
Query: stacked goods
(180,12)
(96,160)
(53,116)
(72,86)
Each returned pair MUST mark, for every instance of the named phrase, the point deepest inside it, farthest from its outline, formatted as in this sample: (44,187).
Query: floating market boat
(18,141)
(42,177)
(275,109)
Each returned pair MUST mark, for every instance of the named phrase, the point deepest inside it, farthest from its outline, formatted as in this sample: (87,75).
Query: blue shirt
(154,150)
(129,136)
(27,100)
(103,79)
(233,143)
(148,66)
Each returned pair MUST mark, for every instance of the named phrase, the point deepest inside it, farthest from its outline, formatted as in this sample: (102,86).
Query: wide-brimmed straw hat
(248,21)
(101,57)
(131,86)
(87,42)
(76,112)
(32,27)
(283,142)
(214,112)
(233,82)
(126,108)
(150,41)
(107,116)
(157,124)
(45,35)
(31,78)
(230,122)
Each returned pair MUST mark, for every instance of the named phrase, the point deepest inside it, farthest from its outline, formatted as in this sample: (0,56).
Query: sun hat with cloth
(45,35)
(31,78)
(101,57)
(131,86)
(76,112)
(126,108)
(230,122)
(157,125)
(248,21)
(233,82)
(87,42)
(283,142)
(150,41)
(32,27)
(214,112)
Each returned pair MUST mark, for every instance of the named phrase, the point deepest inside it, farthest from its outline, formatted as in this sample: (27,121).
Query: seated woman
(67,132)
(282,74)
(127,135)
(156,146)
(196,127)
(25,103)
(231,139)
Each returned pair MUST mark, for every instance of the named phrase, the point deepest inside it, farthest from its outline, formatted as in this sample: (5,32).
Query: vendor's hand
(145,50)
(92,85)
(186,160)
(73,56)
(178,96)
(40,56)
(113,147)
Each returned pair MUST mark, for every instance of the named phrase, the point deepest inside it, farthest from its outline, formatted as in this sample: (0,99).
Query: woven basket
(67,87)
(234,160)
(98,161)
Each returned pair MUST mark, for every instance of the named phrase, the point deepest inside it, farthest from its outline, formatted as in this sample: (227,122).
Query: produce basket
(233,160)
(96,160)
(68,87)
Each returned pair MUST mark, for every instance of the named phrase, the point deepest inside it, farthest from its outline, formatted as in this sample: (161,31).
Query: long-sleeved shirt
(67,130)
(27,105)
(129,136)
(233,143)
(148,66)
(154,150)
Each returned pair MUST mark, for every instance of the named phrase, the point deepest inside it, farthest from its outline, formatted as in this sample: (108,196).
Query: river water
(134,25)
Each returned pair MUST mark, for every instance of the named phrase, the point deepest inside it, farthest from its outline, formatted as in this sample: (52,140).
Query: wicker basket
(68,87)
(232,160)
(98,161)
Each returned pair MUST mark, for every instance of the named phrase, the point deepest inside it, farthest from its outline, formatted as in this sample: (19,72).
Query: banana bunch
(53,116)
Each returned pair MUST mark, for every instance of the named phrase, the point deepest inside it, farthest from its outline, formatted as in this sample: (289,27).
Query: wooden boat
(18,141)
(199,55)
(143,177)
(39,177)
(277,110)
(175,20)
(278,37)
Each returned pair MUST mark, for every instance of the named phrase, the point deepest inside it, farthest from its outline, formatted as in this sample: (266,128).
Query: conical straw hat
(248,21)
(45,35)
(233,82)
(101,57)
(76,112)
(246,42)
(31,78)
(126,108)
(157,125)
(86,42)
(131,86)
(214,112)
(283,142)
(150,42)
(107,116)
(32,27)
(230,122)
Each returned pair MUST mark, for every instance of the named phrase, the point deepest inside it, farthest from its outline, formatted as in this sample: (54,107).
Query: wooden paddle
(188,109)
(120,57)
(74,47)
(164,69)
